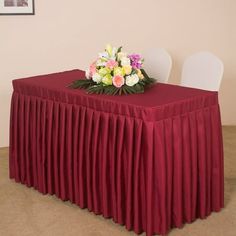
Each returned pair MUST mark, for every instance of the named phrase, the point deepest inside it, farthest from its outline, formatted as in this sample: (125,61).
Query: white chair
(202,70)
(157,64)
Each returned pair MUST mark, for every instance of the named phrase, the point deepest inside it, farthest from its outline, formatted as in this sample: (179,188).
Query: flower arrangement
(115,72)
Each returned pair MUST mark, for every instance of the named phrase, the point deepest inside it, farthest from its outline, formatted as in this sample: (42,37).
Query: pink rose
(92,69)
(111,64)
(118,81)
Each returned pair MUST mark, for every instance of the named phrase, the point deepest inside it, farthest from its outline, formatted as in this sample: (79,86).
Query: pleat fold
(149,176)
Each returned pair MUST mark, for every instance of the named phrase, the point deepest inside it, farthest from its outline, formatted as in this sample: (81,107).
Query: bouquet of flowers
(115,72)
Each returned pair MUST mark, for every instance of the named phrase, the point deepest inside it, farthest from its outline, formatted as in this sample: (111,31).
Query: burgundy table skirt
(150,161)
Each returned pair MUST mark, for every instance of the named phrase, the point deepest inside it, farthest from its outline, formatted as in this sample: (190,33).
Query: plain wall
(65,35)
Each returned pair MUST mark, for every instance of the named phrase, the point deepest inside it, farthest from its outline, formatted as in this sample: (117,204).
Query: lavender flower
(136,61)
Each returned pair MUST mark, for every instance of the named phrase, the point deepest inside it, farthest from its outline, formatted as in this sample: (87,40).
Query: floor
(25,212)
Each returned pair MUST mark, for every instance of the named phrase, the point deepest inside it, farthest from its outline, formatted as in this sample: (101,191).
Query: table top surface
(158,102)
(157,95)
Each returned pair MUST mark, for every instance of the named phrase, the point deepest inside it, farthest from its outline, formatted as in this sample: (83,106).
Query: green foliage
(93,87)
(119,49)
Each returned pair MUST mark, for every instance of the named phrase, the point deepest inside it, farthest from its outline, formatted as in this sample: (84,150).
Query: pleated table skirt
(149,176)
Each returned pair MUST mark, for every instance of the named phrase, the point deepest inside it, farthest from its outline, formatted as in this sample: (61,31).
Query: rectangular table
(151,161)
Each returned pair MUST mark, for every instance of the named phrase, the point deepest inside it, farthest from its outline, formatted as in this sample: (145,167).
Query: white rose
(131,80)
(96,78)
(120,55)
(125,61)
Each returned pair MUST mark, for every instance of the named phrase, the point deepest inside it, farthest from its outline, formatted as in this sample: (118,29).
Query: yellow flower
(119,71)
(127,69)
(104,71)
(107,79)
(140,75)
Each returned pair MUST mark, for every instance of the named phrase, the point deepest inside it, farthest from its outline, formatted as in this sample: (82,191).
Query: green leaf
(139,88)
(146,77)
(119,49)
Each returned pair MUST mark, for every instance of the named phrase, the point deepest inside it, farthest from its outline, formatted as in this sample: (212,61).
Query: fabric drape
(151,161)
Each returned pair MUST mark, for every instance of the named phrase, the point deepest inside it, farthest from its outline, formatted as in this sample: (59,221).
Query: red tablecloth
(150,161)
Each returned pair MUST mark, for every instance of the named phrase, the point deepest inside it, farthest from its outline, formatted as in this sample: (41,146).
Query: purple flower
(136,61)
(135,57)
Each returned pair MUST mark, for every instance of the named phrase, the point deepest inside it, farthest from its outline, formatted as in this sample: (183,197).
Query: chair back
(202,70)
(157,64)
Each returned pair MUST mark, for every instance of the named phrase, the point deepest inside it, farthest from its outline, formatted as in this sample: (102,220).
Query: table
(150,161)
